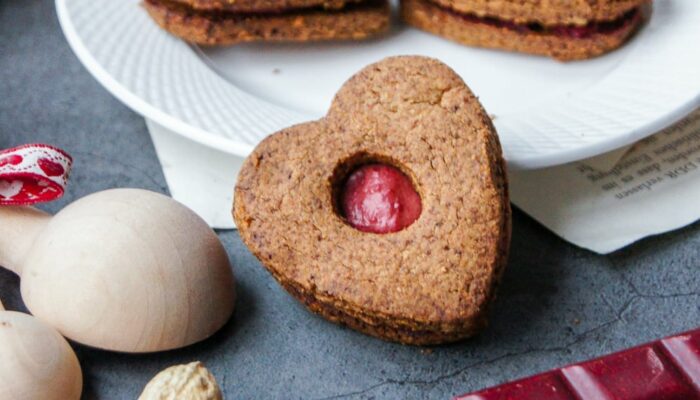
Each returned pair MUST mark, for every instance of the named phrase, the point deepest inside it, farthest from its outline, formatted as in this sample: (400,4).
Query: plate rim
(236,148)
(614,143)
(136,103)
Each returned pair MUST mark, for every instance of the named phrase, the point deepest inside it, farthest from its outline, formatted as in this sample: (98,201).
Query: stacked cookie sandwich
(562,29)
(221,22)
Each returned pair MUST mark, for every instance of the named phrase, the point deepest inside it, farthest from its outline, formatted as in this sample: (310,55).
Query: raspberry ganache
(379,198)
(569,31)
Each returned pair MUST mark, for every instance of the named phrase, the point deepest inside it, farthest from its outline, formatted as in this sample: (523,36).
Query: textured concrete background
(558,304)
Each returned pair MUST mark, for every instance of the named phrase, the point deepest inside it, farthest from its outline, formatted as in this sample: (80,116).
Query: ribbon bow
(33,173)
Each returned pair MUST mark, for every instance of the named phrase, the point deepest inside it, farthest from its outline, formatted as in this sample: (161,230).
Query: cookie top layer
(545,12)
(414,113)
(258,6)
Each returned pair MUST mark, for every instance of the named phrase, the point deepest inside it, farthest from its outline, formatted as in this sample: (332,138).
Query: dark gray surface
(558,304)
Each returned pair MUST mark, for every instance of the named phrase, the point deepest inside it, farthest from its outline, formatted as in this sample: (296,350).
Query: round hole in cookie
(373,193)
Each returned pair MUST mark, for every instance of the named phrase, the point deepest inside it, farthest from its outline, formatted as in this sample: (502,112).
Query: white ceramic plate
(547,112)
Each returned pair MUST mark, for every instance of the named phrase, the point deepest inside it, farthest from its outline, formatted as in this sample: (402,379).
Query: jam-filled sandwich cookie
(563,29)
(225,22)
(389,215)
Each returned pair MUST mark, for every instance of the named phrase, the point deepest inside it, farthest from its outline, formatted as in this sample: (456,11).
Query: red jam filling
(571,31)
(379,198)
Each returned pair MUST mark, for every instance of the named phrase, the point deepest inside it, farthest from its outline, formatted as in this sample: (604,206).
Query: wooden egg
(125,270)
(36,362)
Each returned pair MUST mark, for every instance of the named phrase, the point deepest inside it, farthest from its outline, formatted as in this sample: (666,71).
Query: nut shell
(183,382)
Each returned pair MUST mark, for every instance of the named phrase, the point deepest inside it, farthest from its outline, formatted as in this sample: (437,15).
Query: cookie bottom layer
(401,332)
(559,43)
(354,22)
(385,327)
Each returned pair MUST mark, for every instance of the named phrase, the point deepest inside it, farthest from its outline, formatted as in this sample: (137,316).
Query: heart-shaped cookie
(430,282)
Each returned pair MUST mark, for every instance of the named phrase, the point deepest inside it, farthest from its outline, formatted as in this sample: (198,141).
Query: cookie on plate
(389,215)
(224,22)
(562,29)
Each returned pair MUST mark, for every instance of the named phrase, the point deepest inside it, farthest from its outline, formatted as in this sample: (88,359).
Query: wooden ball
(129,270)
(36,362)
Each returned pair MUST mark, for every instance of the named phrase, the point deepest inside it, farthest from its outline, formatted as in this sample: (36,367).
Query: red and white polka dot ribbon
(33,173)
